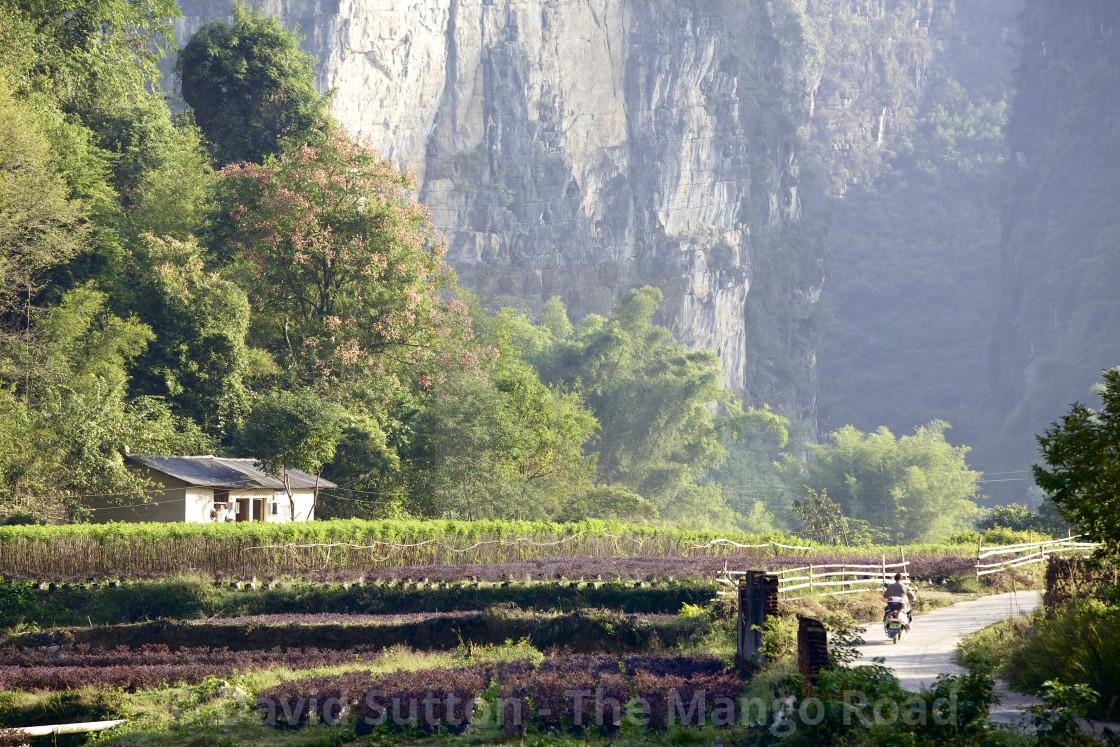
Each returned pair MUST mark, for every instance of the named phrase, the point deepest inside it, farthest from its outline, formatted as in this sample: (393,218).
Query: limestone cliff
(581,148)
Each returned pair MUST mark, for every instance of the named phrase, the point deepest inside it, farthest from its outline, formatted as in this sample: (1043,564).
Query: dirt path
(929,649)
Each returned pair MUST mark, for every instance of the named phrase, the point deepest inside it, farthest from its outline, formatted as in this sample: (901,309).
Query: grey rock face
(577,148)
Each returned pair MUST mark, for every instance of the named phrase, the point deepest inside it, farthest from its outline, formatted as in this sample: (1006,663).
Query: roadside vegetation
(1075,644)
(1069,651)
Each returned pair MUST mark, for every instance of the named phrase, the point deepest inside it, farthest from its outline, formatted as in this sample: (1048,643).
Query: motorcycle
(896,621)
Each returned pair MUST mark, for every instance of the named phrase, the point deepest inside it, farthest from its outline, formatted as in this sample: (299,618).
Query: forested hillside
(914,232)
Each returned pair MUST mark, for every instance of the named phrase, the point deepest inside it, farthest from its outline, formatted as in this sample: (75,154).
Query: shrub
(1079,643)
(578,691)
(654,691)
(1056,722)
(998,535)
(678,666)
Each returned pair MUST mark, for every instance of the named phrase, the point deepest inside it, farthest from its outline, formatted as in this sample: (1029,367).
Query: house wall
(303,500)
(168,503)
(199,503)
(177,501)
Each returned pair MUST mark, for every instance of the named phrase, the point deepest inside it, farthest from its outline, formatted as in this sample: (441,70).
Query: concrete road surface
(929,648)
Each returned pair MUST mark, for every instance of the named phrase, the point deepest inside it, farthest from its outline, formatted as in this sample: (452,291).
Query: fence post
(883,568)
(979,545)
(758,601)
(812,647)
(905,570)
(810,578)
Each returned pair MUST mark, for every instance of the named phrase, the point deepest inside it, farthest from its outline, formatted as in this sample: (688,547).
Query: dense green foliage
(916,488)
(1082,471)
(202,365)
(91,141)
(1019,518)
(292,430)
(653,399)
(248,85)
(40,225)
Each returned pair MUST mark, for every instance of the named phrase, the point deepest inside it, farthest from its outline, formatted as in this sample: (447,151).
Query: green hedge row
(262,549)
(196,598)
(584,631)
(137,550)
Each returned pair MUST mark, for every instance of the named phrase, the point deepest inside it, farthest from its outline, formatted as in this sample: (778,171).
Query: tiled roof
(219,472)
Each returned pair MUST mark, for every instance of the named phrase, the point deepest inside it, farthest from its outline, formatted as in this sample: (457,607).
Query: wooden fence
(828,579)
(1026,553)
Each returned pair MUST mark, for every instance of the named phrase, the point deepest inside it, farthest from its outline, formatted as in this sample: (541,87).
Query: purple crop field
(326,618)
(928,564)
(932,565)
(56,668)
(332,618)
(563,692)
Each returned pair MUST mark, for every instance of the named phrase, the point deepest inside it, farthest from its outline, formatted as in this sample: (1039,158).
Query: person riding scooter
(899,589)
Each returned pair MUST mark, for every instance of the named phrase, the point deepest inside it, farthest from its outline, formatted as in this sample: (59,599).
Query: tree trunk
(291,498)
(314,495)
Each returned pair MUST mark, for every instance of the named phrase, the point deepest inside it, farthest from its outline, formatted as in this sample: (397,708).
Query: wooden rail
(827,575)
(847,575)
(1035,552)
(55,729)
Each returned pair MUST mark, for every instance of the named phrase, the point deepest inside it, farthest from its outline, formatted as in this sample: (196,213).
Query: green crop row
(137,550)
(187,598)
(354,530)
(126,550)
(584,630)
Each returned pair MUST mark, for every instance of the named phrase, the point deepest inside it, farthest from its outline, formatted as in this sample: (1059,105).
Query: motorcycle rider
(899,589)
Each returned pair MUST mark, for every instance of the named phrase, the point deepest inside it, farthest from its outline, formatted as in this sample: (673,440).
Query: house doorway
(250,509)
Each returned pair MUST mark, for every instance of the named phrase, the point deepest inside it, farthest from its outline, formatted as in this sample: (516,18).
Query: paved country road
(928,650)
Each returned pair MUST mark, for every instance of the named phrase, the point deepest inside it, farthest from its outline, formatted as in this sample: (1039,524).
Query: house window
(275,508)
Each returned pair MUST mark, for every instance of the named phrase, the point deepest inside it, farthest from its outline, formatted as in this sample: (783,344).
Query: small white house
(210,488)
